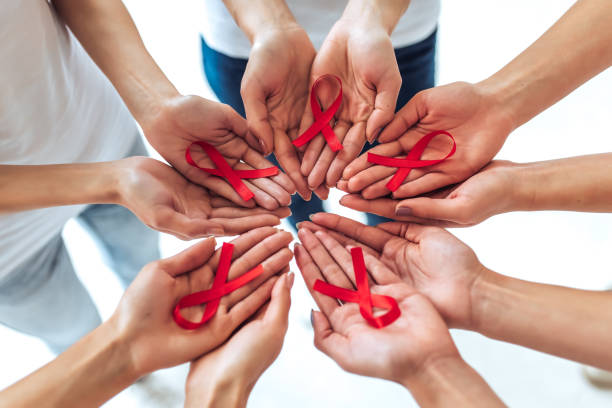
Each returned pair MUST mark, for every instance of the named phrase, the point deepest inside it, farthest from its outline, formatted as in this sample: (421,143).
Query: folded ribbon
(322,119)
(362,295)
(213,295)
(234,177)
(412,160)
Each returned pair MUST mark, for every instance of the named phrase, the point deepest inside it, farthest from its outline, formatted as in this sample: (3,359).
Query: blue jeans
(416,63)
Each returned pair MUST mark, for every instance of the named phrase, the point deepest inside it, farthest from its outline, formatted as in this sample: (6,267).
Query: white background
(476,38)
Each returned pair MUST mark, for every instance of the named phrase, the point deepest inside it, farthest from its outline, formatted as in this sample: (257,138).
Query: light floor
(476,38)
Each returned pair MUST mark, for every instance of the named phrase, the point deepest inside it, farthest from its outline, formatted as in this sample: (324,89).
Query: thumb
(278,310)
(257,117)
(170,221)
(384,104)
(445,209)
(404,119)
(329,342)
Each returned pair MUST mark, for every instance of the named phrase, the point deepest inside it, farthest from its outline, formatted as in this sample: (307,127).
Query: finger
(259,252)
(234,211)
(188,259)
(340,254)
(261,197)
(407,117)
(341,238)
(391,149)
(387,90)
(331,343)
(272,265)
(379,271)
(277,312)
(429,182)
(235,226)
(331,271)
(370,177)
(170,220)
(342,185)
(370,236)
(411,232)
(281,179)
(224,189)
(288,158)
(318,173)
(352,145)
(311,273)
(257,115)
(322,192)
(446,209)
(248,306)
(234,122)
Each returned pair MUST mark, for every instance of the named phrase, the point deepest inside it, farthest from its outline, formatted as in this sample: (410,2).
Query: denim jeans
(43,297)
(416,63)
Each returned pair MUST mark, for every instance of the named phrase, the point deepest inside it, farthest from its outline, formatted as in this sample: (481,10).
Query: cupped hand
(469,112)
(489,192)
(236,365)
(275,90)
(429,259)
(182,120)
(401,349)
(362,56)
(144,315)
(164,200)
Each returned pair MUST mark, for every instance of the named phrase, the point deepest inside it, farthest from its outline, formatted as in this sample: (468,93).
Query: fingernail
(289,280)
(217,232)
(312,317)
(403,211)
(299,224)
(374,135)
(263,146)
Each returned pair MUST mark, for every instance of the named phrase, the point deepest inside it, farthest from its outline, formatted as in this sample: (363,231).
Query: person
(411,263)
(259,57)
(65,131)
(481,116)
(141,336)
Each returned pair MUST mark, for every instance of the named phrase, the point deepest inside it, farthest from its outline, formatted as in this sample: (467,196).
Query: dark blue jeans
(416,64)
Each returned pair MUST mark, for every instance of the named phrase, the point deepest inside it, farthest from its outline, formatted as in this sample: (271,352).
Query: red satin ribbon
(322,119)
(362,295)
(224,170)
(412,160)
(213,295)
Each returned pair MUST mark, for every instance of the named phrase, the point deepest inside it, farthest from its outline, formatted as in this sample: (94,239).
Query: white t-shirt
(56,106)
(317,17)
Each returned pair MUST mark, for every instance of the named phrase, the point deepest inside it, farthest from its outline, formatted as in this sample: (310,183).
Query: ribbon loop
(362,295)
(322,118)
(223,169)
(412,160)
(212,297)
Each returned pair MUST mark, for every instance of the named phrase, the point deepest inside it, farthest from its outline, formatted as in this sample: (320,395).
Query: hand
(402,349)
(164,200)
(429,259)
(274,90)
(469,112)
(489,192)
(226,376)
(362,56)
(144,315)
(182,120)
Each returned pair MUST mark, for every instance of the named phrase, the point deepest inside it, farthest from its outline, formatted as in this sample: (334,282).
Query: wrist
(264,18)
(496,97)
(486,290)
(372,14)
(216,393)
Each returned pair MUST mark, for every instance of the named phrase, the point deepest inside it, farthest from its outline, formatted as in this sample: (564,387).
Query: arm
(481,116)
(159,196)
(170,121)
(581,183)
(569,323)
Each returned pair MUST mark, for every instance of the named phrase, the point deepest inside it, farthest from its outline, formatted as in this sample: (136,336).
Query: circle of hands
(404,259)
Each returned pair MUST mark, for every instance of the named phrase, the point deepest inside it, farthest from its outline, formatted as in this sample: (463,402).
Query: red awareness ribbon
(362,295)
(412,160)
(322,119)
(223,169)
(212,297)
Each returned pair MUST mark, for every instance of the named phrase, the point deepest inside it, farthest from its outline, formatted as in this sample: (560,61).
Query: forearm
(569,323)
(86,375)
(29,187)
(381,12)
(451,382)
(581,183)
(107,32)
(257,16)
(573,50)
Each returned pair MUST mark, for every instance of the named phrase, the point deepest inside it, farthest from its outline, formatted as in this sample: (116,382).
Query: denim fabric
(416,63)
(44,297)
